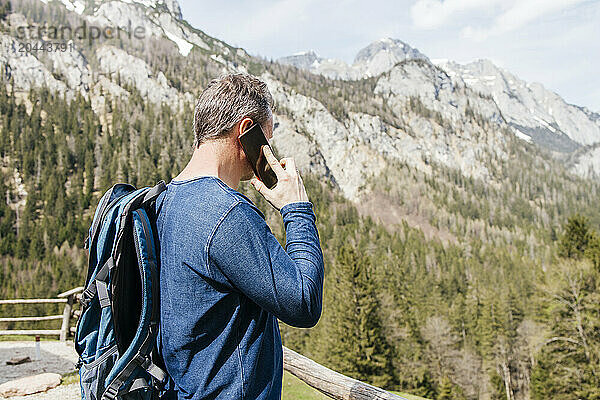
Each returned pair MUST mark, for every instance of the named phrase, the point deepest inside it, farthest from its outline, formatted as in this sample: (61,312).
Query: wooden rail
(331,383)
(323,379)
(68,298)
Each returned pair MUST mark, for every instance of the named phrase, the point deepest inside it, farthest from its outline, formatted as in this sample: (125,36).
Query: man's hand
(289,187)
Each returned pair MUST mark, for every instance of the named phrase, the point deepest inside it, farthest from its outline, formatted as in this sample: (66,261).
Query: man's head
(228,106)
(226,101)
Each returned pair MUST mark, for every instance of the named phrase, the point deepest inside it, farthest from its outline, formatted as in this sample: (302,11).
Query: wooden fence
(326,381)
(68,298)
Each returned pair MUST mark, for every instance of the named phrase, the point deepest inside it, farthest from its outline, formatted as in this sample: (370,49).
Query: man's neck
(210,159)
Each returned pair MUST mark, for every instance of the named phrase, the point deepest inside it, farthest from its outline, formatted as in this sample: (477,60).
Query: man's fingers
(273,162)
(258,185)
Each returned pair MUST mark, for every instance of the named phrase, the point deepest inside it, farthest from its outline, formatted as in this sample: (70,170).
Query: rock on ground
(63,392)
(30,384)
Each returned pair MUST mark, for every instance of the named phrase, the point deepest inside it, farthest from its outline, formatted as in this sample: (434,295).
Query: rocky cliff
(415,112)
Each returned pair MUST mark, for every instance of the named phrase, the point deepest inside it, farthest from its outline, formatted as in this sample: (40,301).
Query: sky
(554,42)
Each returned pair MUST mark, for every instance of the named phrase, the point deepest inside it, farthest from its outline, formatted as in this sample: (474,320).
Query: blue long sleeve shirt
(224,282)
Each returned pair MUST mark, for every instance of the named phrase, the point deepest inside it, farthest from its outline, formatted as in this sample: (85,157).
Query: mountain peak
(396,48)
(303,59)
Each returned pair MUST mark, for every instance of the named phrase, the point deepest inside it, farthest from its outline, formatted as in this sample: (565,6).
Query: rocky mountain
(376,58)
(533,113)
(412,112)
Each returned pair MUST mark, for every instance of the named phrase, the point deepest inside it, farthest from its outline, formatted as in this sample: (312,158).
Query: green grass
(27,338)
(409,396)
(69,378)
(295,389)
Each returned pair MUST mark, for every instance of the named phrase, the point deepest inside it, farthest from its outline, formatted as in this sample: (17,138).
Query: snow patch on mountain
(129,15)
(171,5)
(126,16)
(76,6)
(184,46)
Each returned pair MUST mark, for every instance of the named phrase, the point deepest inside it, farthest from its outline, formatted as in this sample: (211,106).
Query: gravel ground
(57,357)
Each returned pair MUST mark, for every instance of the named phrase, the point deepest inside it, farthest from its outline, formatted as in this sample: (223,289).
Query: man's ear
(245,124)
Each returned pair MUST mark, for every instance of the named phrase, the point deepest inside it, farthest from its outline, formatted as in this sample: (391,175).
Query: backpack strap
(153,193)
(139,360)
(101,209)
(98,286)
(137,384)
(149,196)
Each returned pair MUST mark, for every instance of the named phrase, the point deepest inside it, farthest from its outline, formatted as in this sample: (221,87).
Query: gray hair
(226,101)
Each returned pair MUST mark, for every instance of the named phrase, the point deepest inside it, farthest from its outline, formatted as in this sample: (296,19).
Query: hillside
(440,225)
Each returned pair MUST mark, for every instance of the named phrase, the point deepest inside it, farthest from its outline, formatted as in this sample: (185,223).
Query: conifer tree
(575,238)
(592,252)
(445,390)
(568,365)
(357,346)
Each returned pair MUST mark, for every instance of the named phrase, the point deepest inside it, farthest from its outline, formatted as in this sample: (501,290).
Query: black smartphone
(252,142)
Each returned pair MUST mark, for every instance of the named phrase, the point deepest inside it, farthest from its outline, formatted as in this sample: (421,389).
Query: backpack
(119,321)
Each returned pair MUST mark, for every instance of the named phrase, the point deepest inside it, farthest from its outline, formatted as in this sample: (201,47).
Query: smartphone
(252,142)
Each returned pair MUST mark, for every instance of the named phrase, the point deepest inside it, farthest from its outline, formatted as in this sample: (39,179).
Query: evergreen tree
(575,238)
(445,390)
(357,345)
(569,363)
(592,252)
(423,385)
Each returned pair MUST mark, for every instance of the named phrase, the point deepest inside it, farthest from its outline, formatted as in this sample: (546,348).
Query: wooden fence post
(64,329)
(70,295)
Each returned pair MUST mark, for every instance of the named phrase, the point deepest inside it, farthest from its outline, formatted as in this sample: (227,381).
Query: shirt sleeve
(286,282)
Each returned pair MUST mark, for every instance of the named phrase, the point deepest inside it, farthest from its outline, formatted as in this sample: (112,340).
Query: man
(224,279)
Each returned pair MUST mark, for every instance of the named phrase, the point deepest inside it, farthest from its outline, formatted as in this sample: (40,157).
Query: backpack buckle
(86,298)
(155,372)
(110,393)
(84,301)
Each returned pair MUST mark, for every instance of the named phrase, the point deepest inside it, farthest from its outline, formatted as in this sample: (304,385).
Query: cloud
(428,14)
(274,18)
(518,15)
(497,16)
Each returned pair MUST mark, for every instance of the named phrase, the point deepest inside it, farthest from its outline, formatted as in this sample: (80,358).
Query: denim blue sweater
(224,282)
